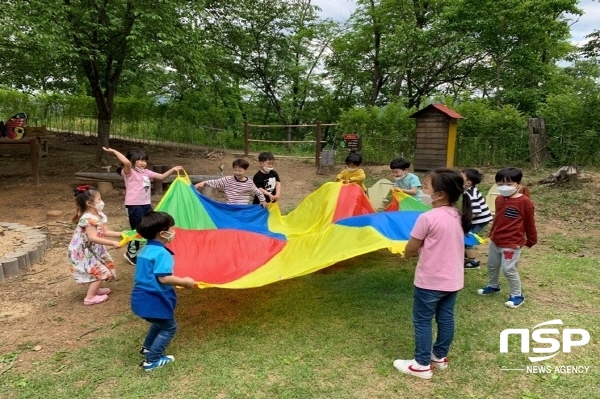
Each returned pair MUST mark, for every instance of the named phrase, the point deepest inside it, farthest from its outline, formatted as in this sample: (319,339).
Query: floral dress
(89,261)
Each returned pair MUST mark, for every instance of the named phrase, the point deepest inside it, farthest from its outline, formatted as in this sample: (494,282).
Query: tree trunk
(104,122)
(538,142)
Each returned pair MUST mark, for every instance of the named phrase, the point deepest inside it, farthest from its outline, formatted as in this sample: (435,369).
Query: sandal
(95,300)
(103,291)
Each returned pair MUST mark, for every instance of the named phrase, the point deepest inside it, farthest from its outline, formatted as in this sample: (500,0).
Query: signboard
(351,142)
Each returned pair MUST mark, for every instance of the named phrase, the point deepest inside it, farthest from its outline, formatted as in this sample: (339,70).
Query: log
(115,178)
(32,252)
(157,186)
(104,187)
(55,215)
(22,259)
(10,266)
(562,175)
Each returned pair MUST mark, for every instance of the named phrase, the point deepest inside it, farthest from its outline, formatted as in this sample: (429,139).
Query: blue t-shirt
(408,182)
(150,298)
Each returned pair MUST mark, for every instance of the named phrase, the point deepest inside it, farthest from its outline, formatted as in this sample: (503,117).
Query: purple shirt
(137,186)
(440,266)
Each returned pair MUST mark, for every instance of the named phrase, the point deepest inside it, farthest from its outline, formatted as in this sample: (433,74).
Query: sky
(341,9)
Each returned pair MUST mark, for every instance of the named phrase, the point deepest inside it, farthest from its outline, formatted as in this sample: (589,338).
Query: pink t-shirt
(137,186)
(441,258)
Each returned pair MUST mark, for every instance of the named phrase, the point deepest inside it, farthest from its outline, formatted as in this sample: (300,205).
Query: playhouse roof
(441,108)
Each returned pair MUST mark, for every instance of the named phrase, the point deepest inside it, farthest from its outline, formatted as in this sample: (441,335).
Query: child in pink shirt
(439,238)
(137,190)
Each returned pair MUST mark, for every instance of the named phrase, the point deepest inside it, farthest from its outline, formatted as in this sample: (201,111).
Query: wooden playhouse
(435,137)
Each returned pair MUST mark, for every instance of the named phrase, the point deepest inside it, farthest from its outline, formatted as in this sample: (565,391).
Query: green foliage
(491,136)
(386,132)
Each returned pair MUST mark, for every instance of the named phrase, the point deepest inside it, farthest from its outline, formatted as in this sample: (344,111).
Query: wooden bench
(40,133)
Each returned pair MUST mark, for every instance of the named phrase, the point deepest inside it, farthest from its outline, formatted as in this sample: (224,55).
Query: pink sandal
(103,291)
(95,300)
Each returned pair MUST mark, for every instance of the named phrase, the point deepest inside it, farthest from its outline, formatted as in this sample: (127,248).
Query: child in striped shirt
(481,213)
(238,187)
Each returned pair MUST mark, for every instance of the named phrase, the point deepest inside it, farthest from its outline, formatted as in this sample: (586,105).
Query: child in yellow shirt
(352,173)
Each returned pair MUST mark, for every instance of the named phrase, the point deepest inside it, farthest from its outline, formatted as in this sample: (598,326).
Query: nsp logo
(540,336)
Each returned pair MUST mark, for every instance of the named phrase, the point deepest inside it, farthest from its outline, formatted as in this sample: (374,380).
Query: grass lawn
(335,333)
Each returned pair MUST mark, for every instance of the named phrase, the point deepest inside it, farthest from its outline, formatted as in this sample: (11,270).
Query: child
(238,187)
(481,213)
(406,182)
(153,297)
(90,262)
(352,173)
(438,237)
(513,228)
(266,179)
(137,190)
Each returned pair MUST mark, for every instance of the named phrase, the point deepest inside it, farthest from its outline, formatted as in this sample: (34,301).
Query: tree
(99,40)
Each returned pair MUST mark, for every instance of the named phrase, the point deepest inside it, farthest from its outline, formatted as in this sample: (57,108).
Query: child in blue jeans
(153,297)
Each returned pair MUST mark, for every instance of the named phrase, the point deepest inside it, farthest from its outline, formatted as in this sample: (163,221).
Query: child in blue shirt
(406,182)
(153,297)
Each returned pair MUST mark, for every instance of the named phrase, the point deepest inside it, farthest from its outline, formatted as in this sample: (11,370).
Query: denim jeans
(427,305)
(160,334)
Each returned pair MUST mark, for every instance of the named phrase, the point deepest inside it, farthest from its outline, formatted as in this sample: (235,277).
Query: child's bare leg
(93,289)
(470,253)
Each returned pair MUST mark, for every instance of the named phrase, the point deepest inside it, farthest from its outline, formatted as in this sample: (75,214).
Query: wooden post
(318,154)
(33,154)
(163,169)
(538,142)
(157,188)
(246,138)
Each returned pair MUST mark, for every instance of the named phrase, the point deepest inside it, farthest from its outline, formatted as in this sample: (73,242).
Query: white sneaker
(413,368)
(438,363)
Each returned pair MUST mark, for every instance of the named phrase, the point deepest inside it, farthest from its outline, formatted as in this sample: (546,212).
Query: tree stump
(104,187)
(22,259)
(10,266)
(55,215)
(327,162)
(538,142)
(562,175)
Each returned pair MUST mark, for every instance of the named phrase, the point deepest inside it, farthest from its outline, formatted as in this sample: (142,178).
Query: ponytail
(467,213)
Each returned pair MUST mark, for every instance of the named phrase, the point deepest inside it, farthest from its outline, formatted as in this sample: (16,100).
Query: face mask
(399,177)
(351,169)
(426,199)
(506,191)
(267,169)
(99,206)
(170,237)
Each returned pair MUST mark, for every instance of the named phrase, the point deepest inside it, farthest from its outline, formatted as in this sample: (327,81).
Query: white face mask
(506,191)
(426,199)
(170,236)
(99,206)
(267,169)
(397,178)
(351,169)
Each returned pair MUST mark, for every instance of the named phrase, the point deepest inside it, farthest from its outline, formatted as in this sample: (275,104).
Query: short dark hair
(133,156)
(473,175)
(240,163)
(153,223)
(513,175)
(354,158)
(83,194)
(399,163)
(265,156)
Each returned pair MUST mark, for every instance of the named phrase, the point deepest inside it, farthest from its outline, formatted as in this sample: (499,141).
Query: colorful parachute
(244,246)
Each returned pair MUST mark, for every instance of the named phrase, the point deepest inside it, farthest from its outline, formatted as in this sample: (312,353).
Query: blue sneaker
(514,301)
(488,290)
(159,363)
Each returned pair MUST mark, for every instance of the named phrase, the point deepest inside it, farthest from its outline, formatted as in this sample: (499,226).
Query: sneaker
(143,351)
(411,367)
(472,264)
(488,290)
(514,301)
(438,363)
(129,259)
(159,363)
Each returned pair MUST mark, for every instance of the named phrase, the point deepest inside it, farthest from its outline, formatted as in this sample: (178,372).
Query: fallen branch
(89,332)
